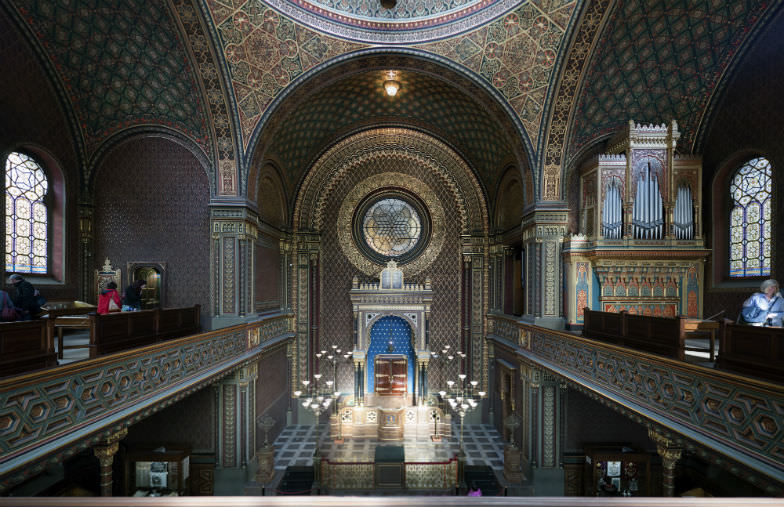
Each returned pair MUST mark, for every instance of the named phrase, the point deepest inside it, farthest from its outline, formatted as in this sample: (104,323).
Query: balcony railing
(59,411)
(739,417)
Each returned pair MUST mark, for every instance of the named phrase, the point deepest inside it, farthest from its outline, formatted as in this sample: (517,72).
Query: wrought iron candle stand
(462,398)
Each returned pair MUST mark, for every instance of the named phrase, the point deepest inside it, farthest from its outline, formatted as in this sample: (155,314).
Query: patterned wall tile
(151,205)
(31,114)
(122,63)
(658,60)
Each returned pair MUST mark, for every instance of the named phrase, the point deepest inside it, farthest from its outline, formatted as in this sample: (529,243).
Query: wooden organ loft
(640,248)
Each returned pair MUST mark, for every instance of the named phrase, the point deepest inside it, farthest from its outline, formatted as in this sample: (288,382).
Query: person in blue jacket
(764,308)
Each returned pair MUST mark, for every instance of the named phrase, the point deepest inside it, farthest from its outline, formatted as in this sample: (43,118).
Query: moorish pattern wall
(151,205)
(420,166)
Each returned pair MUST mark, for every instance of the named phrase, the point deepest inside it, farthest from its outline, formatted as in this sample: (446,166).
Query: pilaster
(305,256)
(475,262)
(234,230)
(86,246)
(237,409)
(544,230)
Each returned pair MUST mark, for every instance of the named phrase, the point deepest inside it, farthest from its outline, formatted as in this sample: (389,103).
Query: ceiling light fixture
(391,87)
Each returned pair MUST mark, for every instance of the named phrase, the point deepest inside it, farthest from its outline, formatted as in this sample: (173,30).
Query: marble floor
(296,444)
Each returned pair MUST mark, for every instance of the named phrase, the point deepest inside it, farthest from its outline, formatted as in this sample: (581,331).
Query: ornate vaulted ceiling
(121,63)
(519,80)
(432,98)
(659,60)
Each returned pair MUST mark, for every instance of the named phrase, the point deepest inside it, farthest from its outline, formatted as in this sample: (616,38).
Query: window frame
(722,205)
(54,200)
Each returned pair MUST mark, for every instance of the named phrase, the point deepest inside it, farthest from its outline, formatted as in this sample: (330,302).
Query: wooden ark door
(391,374)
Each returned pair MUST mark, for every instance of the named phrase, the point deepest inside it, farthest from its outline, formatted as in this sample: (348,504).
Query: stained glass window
(26,221)
(750,219)
(392,227)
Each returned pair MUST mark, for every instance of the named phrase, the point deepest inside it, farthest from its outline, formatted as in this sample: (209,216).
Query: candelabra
(462,398)
(315,397)
(333,357)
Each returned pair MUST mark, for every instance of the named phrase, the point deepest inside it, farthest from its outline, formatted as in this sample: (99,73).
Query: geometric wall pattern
(121,63)
(658,60)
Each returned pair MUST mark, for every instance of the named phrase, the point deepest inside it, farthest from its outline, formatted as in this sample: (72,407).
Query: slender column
(105,453)
(670,456)
(86,250)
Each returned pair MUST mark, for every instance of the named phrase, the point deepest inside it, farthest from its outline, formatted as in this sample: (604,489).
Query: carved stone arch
(271,196)
(406,145)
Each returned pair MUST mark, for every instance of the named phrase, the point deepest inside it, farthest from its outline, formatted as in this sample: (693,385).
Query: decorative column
(496,276)
(86,250)
(305,257)
(475,264)
(237,408)
(105,453)
(232,252)
(543,232)
(669,456)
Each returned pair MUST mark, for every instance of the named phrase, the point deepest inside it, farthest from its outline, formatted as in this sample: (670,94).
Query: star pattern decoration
(515,54)
(659,60)
(392,227)
(394,331)
(128,54)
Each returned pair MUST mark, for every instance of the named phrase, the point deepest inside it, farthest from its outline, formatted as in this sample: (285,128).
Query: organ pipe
(612,212)
(647,213)
(683,215)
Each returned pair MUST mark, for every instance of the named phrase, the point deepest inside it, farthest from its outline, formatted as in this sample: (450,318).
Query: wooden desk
(704,326)
(72,315)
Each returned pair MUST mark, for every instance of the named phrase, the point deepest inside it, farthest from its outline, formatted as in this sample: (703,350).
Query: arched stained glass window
(26,220)
(750,219)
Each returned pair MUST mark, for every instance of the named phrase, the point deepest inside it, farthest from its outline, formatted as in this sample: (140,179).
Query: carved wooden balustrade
(708,411)
(48,415)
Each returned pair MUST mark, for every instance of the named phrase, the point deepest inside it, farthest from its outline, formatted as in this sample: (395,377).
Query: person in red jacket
(107,296)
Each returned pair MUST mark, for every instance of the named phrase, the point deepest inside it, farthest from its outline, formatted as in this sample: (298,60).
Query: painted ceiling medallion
(405,22)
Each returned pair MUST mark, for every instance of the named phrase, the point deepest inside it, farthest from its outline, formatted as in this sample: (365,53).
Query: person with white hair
(764,308)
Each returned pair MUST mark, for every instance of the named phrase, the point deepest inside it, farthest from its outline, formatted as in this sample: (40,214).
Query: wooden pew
(25,346)
(177,322)
(659,335)
(113,332)
(751,350)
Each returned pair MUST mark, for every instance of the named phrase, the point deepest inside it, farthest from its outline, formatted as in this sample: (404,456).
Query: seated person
(764,308)
(24,297)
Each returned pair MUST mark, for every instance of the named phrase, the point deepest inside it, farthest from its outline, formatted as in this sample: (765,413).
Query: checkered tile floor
(295,446)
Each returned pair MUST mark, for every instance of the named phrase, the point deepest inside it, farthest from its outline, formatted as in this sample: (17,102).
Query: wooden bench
(665,336)
(751,350)
(25,346)
(113,332)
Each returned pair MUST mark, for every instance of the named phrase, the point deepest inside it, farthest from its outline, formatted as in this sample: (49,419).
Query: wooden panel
(751,350)
(24,347)
(391,372)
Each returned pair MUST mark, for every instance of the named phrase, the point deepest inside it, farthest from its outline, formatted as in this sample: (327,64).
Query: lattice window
(26,216)
(750,219)
(392,227)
